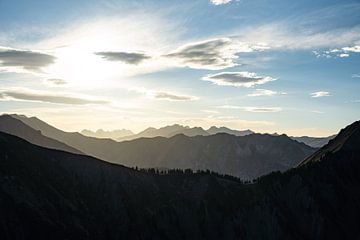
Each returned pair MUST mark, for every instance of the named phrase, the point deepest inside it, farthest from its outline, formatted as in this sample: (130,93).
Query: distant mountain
(315,142)
(115,134)
(246,157)
(17,128)
(214,130)
(47,192)
(168,131)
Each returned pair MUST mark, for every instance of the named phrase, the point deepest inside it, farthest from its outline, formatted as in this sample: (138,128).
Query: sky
(280,66)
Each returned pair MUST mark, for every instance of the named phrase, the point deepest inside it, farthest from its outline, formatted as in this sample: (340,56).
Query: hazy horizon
(279,66)
(94,130)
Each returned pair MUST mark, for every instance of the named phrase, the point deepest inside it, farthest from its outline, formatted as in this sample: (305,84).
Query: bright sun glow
(75,50)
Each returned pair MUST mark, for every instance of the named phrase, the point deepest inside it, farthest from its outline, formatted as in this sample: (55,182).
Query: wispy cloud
(173,97)
(316,111)
(212,54)
(55,81)
(282,36)
(11,58)
(262,109)
(210,111)
(320,94)
(265,92)
(126,57)
(219,2)
(237,79)
(47,97)
(163,95)
(355,76)
(253,109)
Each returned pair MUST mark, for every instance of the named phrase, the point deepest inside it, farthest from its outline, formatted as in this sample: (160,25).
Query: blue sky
(272,66)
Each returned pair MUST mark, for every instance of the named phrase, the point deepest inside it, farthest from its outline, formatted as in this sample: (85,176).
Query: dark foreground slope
(246,157)
(52,193)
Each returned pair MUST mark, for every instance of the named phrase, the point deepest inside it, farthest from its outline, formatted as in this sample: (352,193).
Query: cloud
(219,2)
(229,107)
(265,92)
(126,57)
(283,35)
(344,55)
(212,54)
(24,59)
(317,111)
(237,79)
(163,95)
(320,94)
(173,97)
(262,109)
(355,49)
(253,109)
(343,52)
(56,81)
(355,76)
(210,111)
(47,97)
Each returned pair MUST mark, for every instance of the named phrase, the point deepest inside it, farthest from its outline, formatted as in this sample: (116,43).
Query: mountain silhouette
(10,125)
(167,131)
(170,131)
(115,134)
(214,130)
(348,138)
(246,157)
(49,193)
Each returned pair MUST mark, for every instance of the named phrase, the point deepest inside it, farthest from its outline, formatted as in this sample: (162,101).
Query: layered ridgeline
(170,131)
(246,157)
(13,126)
(100,133)
(66,196)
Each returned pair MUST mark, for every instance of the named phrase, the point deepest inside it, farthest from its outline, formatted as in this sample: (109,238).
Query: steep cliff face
(46,193)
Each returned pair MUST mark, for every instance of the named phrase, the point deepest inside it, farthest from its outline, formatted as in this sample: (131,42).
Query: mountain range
(100,133)
(170,131)
(46,192)
(246,157)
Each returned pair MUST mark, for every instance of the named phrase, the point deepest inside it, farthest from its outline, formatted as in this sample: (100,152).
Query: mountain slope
(50,193)
(17,128)
(347,138)
(246,157)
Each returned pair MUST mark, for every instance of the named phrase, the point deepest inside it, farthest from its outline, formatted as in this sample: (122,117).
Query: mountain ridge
(246,157)
(46,192)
